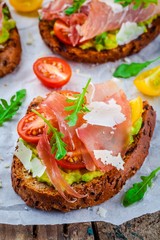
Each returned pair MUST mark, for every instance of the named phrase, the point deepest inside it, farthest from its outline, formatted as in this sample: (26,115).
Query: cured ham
(101,18)
(54,106)
(96,17)
(54,9)
(53,171)
(84,138)
(113,139)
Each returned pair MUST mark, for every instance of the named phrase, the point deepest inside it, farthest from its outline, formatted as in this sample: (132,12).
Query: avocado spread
(7,25)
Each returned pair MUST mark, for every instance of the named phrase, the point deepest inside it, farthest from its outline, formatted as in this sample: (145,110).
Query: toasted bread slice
(10,54)
(45,197)
(91,55)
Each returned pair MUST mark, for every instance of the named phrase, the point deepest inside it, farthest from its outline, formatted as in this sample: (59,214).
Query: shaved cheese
(106,158)
(24,154)
(128,32)
(105,114)
(116,7)
(37,167)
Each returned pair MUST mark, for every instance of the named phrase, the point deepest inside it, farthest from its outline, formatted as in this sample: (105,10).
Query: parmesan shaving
(106,158)
(105,114)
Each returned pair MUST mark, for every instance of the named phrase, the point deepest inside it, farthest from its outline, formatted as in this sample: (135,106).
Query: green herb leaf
(130,70)
(75,6)
(77,107)
(7,111)
(136,193)
(57,144)
(136,3)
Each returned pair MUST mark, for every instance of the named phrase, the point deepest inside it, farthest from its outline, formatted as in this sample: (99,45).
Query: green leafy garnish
(56,142)
(75,6)
(130,70)
(136,193)
(136,3)
(77,107)
(8,110)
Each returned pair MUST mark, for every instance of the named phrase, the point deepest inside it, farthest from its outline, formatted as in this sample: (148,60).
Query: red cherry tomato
(61,30)
(52,72)
(30,128)
(65,163)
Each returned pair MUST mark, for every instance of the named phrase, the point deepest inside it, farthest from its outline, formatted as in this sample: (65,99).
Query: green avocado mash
(7,25)
(107,40)
(70,176)
(73,176)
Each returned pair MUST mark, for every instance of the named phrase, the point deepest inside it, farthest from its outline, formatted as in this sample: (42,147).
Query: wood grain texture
(146,227)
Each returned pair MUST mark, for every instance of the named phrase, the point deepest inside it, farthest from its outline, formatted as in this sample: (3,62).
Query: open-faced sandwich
(10,46)
(97,31)
(78,149)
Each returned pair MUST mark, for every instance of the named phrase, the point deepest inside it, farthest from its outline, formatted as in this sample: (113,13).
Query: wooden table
(146,227)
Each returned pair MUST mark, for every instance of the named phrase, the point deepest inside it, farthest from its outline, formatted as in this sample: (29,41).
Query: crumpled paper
(12,209)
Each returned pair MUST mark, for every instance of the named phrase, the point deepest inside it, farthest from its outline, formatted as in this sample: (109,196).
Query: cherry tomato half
(30,128)
(52,72)
(148,82)
(67,164)
(61,30)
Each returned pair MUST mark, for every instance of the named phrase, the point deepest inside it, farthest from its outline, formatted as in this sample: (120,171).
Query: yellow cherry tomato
(26,5)
(137,109)
(148,82)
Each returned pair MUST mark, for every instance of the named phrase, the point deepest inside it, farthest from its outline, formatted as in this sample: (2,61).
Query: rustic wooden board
(146,227)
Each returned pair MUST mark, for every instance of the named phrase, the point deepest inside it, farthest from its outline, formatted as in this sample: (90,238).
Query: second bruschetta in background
(97,31)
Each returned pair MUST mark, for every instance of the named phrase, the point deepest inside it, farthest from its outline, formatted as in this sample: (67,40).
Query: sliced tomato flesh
(71,163)
(30,128)
(62,31)
(52,72)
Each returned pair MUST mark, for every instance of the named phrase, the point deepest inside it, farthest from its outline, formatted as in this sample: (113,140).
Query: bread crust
(10,55)
(42,196)
(91,55)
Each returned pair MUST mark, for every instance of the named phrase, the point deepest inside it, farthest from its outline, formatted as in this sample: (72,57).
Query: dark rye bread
(91,55)
(40,195)
(10,54)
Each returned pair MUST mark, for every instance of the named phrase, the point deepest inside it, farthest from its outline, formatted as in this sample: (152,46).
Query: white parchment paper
(12,208)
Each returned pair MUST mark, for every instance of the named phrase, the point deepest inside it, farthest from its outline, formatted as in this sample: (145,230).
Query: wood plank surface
(146,227)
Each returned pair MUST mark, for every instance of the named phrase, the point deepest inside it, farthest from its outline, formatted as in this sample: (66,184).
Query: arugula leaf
(130,70)
(136,193)
(77,107)
(7,111)
(75,6)
(57,145)
(136,3)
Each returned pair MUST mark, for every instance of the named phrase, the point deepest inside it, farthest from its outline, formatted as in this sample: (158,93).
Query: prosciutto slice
(97,137)
(54,9)
(101,18)
(53,171)
(54,105)
(96,17)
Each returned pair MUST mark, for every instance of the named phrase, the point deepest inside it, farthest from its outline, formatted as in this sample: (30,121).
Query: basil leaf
(129,70)
(74,8)
(8,110)
(137,192)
